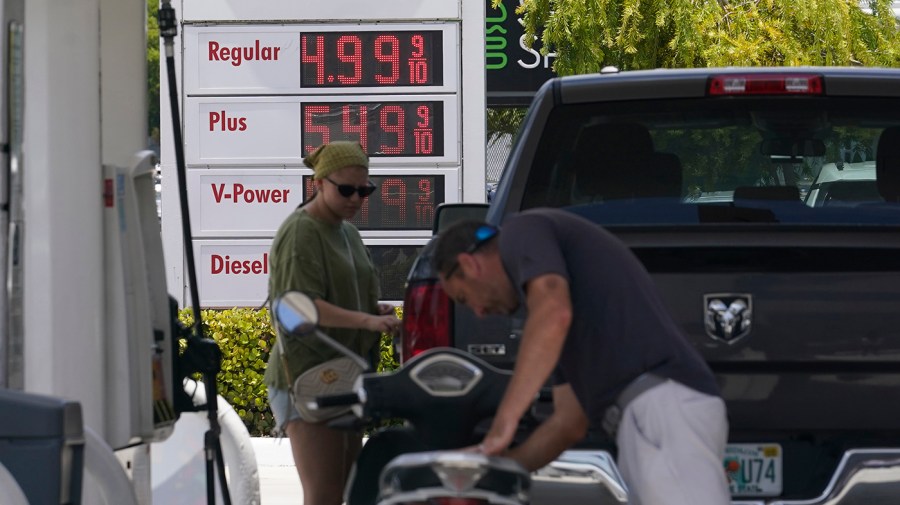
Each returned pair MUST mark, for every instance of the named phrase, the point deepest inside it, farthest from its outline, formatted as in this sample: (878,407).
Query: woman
(318,252)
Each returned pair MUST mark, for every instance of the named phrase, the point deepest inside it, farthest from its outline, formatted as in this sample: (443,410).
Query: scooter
(444,396)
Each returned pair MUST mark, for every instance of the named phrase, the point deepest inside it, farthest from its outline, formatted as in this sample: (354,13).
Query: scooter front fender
(579,477)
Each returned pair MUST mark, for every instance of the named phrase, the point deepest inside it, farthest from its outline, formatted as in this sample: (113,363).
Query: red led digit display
(371,58)
(382,128)
(402,202)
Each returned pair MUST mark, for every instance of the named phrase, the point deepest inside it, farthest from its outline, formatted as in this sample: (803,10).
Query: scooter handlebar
(337,400)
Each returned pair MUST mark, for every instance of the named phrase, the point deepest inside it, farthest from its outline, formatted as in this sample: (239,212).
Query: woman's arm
(332,316)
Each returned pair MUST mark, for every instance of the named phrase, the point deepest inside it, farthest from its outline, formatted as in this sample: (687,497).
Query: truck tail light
(426,319)
(766,84)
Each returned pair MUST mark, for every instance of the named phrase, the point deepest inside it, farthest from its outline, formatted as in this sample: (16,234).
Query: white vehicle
(844,184)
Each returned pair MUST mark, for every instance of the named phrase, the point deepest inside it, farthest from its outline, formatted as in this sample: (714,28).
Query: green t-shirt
(314,257)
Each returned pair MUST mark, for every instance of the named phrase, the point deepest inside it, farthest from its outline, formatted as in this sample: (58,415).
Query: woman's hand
(382,323)
(385,308)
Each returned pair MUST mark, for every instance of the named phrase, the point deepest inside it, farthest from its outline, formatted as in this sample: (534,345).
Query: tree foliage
(152,68)
(645,34)
(503,121)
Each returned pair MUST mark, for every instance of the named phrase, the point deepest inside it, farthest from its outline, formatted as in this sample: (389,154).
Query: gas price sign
(412,128)
(261,92)
(344,59)
(402,202)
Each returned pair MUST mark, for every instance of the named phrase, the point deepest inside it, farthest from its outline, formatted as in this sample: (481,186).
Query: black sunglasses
(347,190)
(483,235)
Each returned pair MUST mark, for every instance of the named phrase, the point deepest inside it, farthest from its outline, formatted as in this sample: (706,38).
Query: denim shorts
(282,408)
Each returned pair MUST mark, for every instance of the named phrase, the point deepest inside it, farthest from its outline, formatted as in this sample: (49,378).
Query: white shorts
(282,408)
(671,442)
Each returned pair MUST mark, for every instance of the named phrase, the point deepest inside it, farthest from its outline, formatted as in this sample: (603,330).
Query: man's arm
(566,426)
(549,317)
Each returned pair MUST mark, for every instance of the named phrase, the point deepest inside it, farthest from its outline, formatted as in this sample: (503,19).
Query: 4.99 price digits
(397,58)
(382,129)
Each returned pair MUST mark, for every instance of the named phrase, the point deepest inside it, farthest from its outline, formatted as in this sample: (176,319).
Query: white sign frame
(469,122)
(332,10)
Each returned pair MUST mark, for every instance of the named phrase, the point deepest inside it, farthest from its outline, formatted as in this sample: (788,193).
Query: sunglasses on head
(483,234)
(347,190)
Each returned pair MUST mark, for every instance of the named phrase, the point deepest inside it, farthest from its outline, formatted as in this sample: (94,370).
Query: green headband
(328,158)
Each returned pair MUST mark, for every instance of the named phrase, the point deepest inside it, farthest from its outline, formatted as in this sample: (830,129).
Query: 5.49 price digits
(382,129)
(401,58)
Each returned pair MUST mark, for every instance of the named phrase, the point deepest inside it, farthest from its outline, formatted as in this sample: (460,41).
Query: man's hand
(499,437)
(566,426)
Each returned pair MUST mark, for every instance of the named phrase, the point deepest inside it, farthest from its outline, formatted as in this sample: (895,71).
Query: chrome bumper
(862,476)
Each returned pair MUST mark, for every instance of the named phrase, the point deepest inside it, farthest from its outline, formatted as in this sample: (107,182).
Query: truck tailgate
(819,348)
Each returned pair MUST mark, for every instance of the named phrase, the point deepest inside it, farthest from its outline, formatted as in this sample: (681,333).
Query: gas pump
(140,362)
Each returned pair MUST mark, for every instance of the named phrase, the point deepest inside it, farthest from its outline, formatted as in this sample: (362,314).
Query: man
(596,323)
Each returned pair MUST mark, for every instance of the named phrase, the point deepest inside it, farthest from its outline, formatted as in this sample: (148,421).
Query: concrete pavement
(278,481)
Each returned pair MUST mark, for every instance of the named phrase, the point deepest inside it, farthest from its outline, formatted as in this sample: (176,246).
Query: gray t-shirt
(620,326)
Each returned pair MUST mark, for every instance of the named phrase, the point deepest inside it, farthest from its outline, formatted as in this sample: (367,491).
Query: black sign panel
(393,263)
(402,202)
(514,71)
(382,128)
(371,58)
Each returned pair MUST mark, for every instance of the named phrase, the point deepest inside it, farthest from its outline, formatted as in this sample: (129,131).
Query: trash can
(42,446)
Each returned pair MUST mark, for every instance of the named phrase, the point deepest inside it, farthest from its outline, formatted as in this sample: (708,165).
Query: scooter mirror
(296,313)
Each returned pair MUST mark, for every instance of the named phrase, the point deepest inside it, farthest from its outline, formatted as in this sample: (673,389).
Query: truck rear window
(778,160)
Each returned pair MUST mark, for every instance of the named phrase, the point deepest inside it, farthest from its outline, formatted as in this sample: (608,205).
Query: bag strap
(284,362)
(281,431)
(355,273)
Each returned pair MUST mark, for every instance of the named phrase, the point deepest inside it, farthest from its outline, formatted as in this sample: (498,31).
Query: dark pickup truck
(765,203)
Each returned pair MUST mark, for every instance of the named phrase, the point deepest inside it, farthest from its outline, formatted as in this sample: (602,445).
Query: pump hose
(168,28)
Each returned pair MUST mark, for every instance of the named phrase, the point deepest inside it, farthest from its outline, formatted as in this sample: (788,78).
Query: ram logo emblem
(729,316)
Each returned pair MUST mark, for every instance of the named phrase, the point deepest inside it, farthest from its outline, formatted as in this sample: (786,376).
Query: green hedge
(246,338)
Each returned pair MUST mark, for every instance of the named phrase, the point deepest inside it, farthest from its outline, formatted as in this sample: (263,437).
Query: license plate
(754,469)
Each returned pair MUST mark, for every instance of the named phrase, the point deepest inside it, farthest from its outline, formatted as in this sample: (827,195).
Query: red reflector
(766,84)
(426,319)
(108,193)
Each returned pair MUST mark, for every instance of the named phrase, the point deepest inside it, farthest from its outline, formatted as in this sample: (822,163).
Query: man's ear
(468,264)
